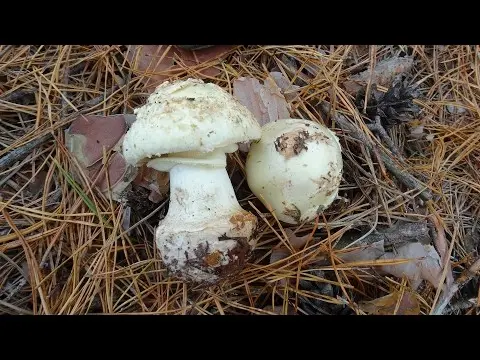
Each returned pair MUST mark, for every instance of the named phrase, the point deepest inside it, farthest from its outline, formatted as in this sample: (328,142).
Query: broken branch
(22,152)
(463,280)
(401,232)
(379,129)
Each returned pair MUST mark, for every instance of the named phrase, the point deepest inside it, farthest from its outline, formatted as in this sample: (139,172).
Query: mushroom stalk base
(206,234)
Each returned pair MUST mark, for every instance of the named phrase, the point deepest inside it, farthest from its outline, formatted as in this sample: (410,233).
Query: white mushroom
(186,128)
(295,169)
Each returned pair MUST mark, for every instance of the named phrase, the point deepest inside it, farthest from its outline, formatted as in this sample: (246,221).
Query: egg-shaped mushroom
(295,169)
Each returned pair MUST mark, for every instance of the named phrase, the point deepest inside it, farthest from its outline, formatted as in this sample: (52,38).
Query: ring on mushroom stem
(295,168)
(187,128)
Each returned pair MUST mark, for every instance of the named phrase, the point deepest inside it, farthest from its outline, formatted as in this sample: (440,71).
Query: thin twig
(401,232)
(22,152)
(379,129)
(463,280)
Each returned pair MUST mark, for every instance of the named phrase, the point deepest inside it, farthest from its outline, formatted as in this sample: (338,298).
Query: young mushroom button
(295,169)
(186,128)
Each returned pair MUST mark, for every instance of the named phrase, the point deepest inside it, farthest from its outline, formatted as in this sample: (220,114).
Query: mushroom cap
(295,168)
(187,115)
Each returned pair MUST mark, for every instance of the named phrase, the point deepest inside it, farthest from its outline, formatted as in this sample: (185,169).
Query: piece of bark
(22,152)
(400,232)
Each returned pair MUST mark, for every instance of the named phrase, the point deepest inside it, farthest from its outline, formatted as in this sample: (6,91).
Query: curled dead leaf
(90,135)
(265,101)
(425,264)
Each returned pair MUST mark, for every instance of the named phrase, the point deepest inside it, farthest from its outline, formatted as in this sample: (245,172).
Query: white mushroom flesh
(187,128)
(295,169)
(205,228)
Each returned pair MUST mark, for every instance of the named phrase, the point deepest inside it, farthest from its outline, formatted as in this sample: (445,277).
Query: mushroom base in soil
(295,169)
(206,235)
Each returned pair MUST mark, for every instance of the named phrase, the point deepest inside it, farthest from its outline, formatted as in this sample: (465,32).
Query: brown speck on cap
(292,143)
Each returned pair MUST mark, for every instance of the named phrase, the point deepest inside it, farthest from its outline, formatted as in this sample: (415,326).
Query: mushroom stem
(206,233)
(201,194)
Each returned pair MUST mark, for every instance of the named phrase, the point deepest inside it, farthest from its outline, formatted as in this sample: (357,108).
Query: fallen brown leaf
(296,242)
(289,90)
(265,101)
(424,261)
(386,305)
(117,168)
(425,264)
(90,135)
(158,63)
(383,74)
(37,184)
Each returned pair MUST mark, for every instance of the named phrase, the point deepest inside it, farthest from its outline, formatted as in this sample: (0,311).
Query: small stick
(463,280)
(401,232)
(401,174)
(22,152)
(379,129)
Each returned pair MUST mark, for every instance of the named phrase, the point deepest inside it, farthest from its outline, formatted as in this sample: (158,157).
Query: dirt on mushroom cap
(295,168)
(188,115)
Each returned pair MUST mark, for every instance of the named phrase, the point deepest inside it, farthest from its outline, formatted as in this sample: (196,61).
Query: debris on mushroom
(186,128)
(295,169)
